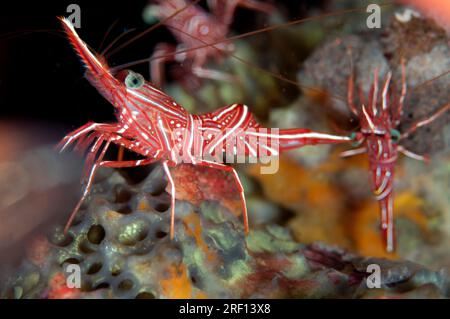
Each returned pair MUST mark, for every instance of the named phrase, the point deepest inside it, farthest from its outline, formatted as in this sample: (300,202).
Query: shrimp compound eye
(134,80)
(395,135)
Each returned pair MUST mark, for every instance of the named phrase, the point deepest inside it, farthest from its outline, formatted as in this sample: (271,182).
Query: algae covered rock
(121,245)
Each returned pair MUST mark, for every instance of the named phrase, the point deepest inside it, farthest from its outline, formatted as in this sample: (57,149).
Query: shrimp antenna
(245,62)
(262,30)
(107,33)
(153,27)
(115,41)
(248,34)
(257,67)
(428,82)
(244,35)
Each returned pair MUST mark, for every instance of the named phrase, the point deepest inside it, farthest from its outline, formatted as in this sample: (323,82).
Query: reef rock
(120,243)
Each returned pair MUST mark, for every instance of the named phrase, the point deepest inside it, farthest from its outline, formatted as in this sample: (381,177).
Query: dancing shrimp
(192,27)
(153,125)
(379,136)
(379,117)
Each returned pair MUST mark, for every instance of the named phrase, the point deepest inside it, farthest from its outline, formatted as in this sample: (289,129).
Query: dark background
(41,78)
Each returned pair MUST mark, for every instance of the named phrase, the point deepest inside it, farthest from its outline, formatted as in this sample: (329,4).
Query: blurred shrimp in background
(36,185)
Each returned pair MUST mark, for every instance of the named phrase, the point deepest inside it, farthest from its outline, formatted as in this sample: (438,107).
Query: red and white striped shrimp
(192,26)
(379,118)
(379,137)
(151,124)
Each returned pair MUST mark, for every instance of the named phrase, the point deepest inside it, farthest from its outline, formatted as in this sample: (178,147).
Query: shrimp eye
(134,80)
(355,141)
(395,135)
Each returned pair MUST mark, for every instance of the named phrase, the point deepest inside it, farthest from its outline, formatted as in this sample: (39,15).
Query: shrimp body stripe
(151,101)
(311,135)
(230,131)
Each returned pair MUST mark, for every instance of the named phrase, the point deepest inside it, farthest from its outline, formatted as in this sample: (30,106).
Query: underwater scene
(225,149)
